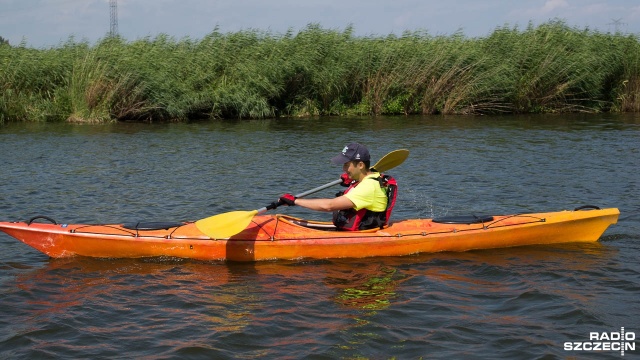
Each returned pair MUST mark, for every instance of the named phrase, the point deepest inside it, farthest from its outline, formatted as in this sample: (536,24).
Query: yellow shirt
(368,194)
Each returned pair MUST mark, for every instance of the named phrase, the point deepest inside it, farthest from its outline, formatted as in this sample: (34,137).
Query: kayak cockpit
(316,224)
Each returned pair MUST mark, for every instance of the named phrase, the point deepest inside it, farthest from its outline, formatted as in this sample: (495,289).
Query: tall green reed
(317,71)
(96,93)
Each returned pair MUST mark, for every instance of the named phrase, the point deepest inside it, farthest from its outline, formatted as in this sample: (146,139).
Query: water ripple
(518,303)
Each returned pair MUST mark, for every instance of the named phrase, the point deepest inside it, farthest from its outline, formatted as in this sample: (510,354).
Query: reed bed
(315,71)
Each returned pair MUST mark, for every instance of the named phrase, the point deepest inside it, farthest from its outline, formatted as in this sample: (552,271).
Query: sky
(50,23)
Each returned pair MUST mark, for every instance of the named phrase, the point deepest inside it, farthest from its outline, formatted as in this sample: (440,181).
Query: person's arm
(328,205)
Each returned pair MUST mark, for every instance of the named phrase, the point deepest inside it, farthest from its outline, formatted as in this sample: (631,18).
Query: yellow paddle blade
(391,160)
(225,225)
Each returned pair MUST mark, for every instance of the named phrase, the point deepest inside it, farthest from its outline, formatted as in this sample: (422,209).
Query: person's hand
(346,180)
(287,199)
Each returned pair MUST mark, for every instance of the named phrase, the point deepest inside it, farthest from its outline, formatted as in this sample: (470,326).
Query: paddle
(228,224)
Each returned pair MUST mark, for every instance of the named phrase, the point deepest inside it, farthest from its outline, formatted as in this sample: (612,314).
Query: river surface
(517,303)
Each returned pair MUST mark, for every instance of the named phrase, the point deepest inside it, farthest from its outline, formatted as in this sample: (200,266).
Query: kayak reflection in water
(367,202)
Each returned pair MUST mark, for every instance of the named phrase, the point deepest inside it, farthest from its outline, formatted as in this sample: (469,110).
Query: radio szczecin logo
(606,341)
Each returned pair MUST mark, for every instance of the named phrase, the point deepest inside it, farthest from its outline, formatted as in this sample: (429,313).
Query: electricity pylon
(113,5)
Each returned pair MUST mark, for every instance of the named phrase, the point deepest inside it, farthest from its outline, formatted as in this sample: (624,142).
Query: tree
(3,41)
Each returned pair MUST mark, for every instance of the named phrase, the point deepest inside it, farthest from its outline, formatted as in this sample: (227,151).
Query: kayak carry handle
(586,207)
(41,217)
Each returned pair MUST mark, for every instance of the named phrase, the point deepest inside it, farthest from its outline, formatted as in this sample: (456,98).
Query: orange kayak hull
(271,237)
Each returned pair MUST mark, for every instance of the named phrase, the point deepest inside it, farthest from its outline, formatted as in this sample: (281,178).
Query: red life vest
(364,219)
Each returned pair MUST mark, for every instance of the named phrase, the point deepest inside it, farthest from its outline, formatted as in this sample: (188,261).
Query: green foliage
(550,68)
(96,93)
(316,71)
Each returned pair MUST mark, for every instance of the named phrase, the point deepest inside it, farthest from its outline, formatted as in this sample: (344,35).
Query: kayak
(270,237)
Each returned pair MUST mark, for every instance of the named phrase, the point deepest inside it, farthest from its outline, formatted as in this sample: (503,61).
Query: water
(518,303)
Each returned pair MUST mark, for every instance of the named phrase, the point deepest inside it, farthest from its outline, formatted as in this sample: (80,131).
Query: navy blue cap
(352,152)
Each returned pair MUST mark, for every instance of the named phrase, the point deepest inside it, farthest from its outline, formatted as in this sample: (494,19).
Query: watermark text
(605,341)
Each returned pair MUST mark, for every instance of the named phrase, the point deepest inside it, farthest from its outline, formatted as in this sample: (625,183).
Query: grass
(316,71)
